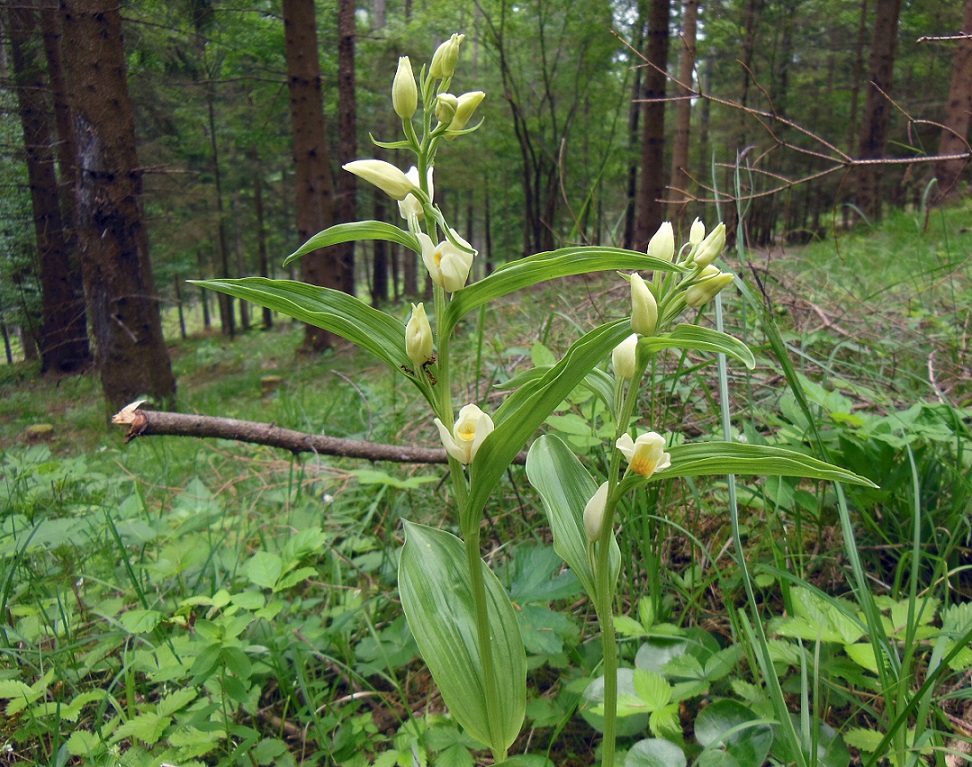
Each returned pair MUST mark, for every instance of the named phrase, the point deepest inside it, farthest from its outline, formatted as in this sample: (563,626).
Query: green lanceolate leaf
(356,230)
(333,310)
(436,594)
(713,458)
(564,262)
(529,406)
(565,487)
(701,339)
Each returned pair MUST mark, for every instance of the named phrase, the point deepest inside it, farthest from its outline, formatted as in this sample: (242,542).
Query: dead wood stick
(145,423)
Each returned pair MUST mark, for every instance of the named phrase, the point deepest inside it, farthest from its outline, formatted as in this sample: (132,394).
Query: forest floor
(876,325)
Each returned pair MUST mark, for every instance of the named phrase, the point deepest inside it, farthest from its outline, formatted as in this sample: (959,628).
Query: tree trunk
(347,138)
(634,135)
(680,180)
(122,303)
(64,335)
(379,248)
(877,107)
(379,265)
(312,172)
(955,127)
(652,188)
(239,251)
(262,257)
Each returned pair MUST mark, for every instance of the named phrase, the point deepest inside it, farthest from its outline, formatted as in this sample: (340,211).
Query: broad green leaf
(85,744)
(294,577)
(268,749)
(565,487)
(454,756)
(264,569)
(541,267)
(632,713)
(863,655)
(709,458)
(734,729)
(687,336)
(666,722)
(526,760)
(175,701)
(526,408)
(147,728)
(140,621)
(864,740)
(652,688)
(655,752)
(437,599)
(357,230)
(337,312)
(375,477)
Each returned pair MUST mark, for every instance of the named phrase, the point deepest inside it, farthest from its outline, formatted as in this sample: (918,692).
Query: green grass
(203,602)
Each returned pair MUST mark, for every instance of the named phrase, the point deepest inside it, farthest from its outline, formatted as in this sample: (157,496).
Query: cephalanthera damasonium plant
(460,614)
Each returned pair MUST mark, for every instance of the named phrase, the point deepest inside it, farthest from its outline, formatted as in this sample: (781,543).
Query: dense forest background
(588,135)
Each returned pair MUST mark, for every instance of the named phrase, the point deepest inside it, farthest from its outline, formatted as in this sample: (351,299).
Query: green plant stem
(604,602)
(470,534)
(442,362)
(604,606)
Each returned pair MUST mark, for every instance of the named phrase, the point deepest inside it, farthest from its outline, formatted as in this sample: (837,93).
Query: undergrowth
(214,603)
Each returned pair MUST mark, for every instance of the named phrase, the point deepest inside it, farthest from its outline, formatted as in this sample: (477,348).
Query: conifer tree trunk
(877,107)
(262,256)
(634,135)
(957,113)
(680,180)
(312,172)
(347,137)
(63,338)
(122,303)
(652,187)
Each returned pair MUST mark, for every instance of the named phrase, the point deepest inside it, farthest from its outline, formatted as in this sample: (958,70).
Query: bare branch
(771,121)
(147,423)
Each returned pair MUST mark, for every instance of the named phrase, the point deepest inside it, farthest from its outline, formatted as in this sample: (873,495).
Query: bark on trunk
(634,135)
(122,303)
(347,138)
(64,334)
(312,172)
(877,108)
(651,209)
(680,180)
(262,257)
(957,112)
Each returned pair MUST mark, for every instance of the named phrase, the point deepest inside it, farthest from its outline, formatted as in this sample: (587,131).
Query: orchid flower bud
(468,102)
(624,357)
(696,233)
(711,247)
(446,57)
(662,243)
(471,428)
(445,107)
(645,455)
(448,265)
(404,90)
(594,513)
(710,283)
(383,175)
(411,206)
(644,308)
(418,336)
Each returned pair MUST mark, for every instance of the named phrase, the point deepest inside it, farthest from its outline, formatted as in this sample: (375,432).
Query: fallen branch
(146,423)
